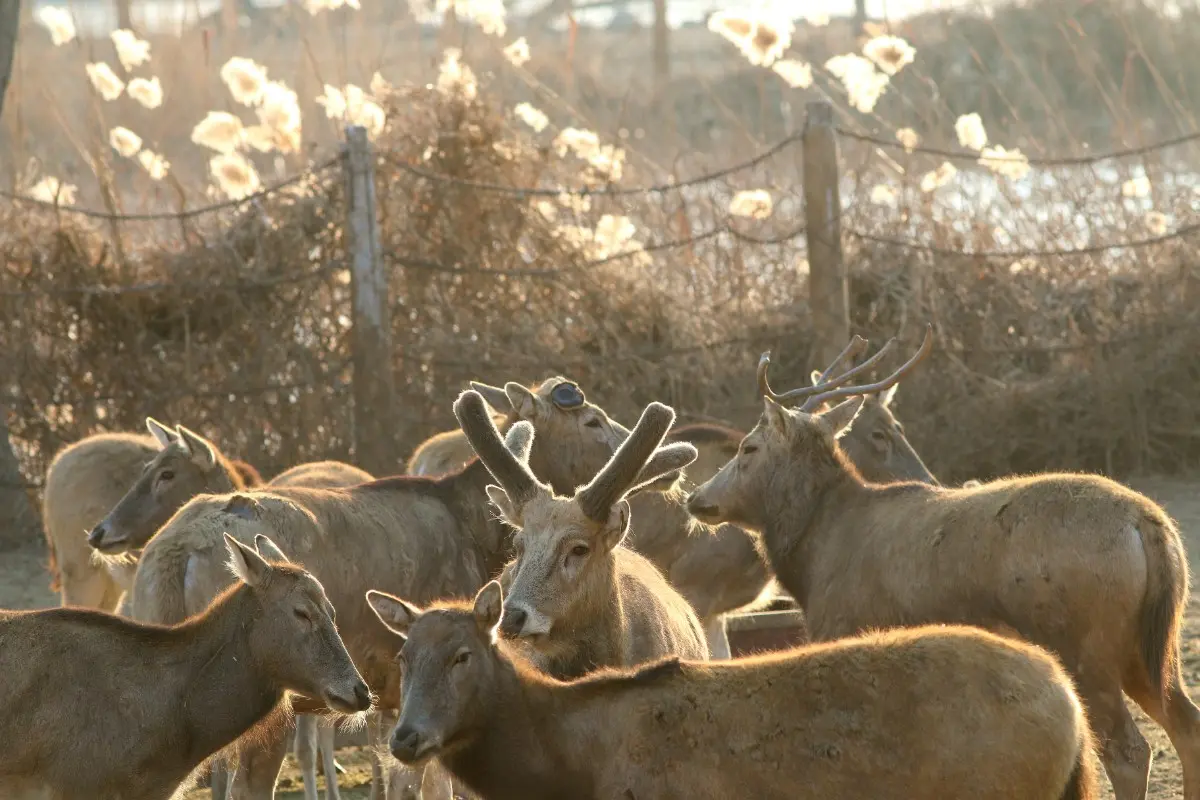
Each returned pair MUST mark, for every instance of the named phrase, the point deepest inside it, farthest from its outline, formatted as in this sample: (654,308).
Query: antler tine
(851,350)
(509,471)
(856,348)
(889,381)
(621,472)
(764,386)
(822,387)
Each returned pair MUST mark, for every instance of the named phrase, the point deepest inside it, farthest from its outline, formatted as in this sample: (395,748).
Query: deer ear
(489,605)
(199,448)
(396,615)
(840,416)
(616,527)
(888,395)
(246,563)
(524,403)
(160,432)
(503,503)
(268,549)
(494,396)
(776,416)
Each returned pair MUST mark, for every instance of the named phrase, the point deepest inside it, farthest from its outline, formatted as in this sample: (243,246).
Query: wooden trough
(765,630)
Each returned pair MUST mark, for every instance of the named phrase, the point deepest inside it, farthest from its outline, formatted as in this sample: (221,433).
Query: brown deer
(95,705)
(579,599)
(946,711)
(1078,564)
(83,483)
(425,537)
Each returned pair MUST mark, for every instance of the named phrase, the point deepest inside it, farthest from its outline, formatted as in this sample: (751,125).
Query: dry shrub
(239,323)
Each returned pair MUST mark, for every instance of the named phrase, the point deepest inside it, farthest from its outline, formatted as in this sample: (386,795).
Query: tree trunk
(860,14)
(19,523)
(125,14)
(10,23)
(662,49)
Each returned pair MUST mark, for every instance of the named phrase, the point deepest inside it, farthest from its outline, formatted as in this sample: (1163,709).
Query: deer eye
(749,449)
(463,657)
(166,475)
(580,550)
(594,422)
(302,615)
(879,436)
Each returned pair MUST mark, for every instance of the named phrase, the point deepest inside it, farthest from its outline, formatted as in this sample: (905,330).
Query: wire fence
(502,266)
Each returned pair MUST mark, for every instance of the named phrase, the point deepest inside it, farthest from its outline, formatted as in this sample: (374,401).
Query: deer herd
(536,611)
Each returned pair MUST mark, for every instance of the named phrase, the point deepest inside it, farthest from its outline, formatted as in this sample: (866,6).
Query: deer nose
(97,535)
(513,621)
(698,508)
(362,694)
(405,744)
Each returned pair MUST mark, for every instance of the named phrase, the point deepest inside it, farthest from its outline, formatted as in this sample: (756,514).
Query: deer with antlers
(1079,564)
(579,600)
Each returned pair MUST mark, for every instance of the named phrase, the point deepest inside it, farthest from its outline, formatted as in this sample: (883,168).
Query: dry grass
(1066,362)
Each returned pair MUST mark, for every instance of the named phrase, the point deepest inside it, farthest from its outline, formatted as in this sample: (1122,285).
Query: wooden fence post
(374,384)
(828,295)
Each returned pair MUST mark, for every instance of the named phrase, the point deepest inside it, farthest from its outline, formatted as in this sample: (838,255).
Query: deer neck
(801,504)
(226,692)
(492,537)
(531,747)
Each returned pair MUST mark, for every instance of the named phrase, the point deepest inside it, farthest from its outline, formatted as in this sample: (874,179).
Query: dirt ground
(23,584)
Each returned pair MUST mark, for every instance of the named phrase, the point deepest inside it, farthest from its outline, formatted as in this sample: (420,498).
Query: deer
(1078,564)
(579,600)
(160,481)
(97,705)
(427,537)
(938,711)
(85,480)
(718,569)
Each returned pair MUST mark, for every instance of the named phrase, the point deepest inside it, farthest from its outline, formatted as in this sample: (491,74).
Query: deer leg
(1123,750)
(93,589)
(718,638)
(306,753)
(258,766)
(1180,718)
(220,777)
(326,737)
(376,731)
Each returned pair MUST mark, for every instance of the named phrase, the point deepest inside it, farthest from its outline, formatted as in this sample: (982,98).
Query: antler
(621,472)
(764,363)
(507,468)
(844,361)
(829,393)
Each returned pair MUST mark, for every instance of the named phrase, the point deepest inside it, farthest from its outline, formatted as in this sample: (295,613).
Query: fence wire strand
(1052,161)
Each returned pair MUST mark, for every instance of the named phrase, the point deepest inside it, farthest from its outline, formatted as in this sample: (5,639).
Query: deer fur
(427,537)
(185,465)
(95,705)
(941,712)
(1078,564)
(580,600)
(259,760)
(83,483)
(718,569)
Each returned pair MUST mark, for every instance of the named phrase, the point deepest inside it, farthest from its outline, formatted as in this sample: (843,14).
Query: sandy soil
(24,584)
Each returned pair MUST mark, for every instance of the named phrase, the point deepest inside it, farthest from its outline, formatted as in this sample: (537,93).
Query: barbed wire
(669,244)
(609,191)
(1179,233)
(156,286)
(1052,161)
(182,214)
